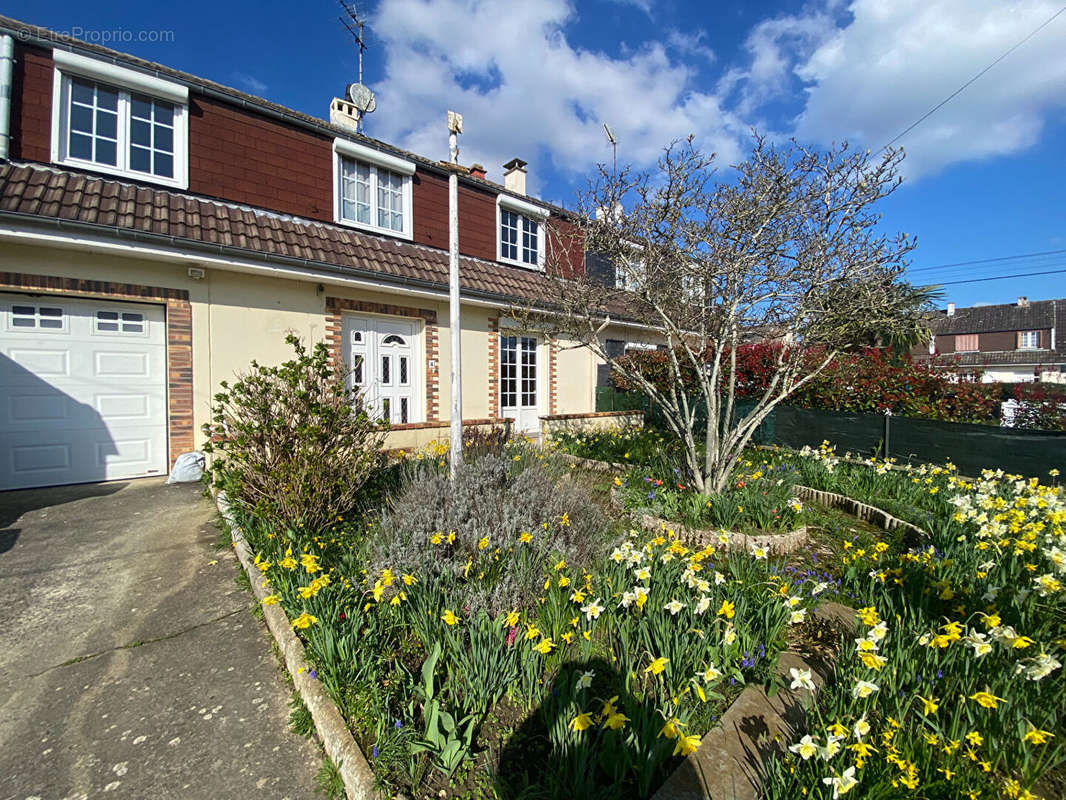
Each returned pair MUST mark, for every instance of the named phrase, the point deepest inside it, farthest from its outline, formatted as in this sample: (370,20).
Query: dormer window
(1029,340)
(521,237)
(119,121)
(373,189)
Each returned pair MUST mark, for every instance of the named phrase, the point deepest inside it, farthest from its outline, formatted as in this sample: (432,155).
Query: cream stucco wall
(238,317)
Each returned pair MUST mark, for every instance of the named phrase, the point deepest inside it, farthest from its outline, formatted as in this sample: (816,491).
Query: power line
(988,260)
(962,88)
(1003,277)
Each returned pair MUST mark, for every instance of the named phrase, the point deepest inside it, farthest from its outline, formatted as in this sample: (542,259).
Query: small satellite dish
(361,97)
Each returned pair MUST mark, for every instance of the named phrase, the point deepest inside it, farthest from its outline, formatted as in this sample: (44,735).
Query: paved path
(130,665)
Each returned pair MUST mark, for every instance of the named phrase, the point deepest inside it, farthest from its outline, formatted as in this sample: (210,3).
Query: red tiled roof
(52,194)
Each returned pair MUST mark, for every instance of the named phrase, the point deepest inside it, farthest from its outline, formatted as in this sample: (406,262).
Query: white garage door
(82,390)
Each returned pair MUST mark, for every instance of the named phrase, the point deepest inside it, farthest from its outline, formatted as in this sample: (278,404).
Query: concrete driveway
(130,665)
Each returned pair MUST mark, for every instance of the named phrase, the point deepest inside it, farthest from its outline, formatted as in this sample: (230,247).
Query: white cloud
(524,90)
(250,82)
(895,61)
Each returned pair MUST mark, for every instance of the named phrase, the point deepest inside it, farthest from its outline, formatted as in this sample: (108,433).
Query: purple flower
(375,753)
(399,724)
(313,674)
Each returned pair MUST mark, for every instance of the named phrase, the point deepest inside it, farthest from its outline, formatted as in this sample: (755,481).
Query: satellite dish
(361,97)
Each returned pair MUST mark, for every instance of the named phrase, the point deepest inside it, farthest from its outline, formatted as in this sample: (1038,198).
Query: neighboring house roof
(30,192)
(43,37)
(1038,315)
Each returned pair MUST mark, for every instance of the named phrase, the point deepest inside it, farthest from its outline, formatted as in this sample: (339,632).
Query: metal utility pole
(455,127)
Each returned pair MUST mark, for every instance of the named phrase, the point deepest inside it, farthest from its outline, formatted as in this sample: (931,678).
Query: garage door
(82,390)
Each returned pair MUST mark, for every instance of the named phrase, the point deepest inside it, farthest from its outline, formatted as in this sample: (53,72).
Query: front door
(381,354)
(518,382)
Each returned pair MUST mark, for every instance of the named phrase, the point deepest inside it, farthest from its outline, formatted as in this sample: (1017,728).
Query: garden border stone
(332,730)
(863,511)
(775,543)
(730,761)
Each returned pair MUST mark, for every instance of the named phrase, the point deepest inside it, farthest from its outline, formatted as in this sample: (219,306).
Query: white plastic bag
(188,468)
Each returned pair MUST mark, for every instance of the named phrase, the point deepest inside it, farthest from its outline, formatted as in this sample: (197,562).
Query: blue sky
(985,176)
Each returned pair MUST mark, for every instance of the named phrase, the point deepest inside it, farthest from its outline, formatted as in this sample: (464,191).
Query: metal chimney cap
(515,163)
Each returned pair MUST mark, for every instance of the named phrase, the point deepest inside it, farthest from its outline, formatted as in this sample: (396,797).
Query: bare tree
(788,247)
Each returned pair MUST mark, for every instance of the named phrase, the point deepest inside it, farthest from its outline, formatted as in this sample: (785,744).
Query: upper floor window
(119,121)
(1029,340)
(521,232)
(373,189)
(966,343)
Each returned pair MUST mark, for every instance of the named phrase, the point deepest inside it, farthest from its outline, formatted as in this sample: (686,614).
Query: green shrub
(292,443)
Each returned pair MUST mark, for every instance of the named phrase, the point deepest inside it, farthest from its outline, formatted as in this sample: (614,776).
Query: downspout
(7,60)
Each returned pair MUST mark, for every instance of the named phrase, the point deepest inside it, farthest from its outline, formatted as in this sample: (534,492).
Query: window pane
(164,113)
(82,92)
(140,159)
(140,133)
(51,323)
(106,152)
(106,98)
(141,106)
(403,410)
(81,146)
(357,370)
(386,364)
(51,312)
(164,139)
(107,124)
(81,119)
(403,370)
(164,165)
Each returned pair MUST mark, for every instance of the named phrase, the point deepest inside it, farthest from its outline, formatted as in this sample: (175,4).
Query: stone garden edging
(332,730)
(730,762)
(863,511)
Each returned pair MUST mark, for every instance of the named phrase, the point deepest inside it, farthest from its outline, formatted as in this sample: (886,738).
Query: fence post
(887,431)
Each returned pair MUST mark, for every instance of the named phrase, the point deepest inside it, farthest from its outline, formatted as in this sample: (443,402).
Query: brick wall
(249,159)
(31,105)
(553,377)
(336,306)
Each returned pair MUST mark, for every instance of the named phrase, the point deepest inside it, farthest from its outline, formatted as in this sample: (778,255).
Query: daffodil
(305,620)
(686,745)
(657,665)
(449,617)
(805,747)
(1036,736)
(271,600)
(727,610)
(986,699)
(544,646)
(581,722)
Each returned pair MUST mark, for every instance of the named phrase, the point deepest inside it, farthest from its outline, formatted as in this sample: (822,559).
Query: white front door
(518,382)
(83,390)
(383,357)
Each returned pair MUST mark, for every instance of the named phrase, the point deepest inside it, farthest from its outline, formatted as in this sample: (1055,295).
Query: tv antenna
(358,94)
(613,142)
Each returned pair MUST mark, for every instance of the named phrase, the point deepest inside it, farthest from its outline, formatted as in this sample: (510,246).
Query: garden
(512,632)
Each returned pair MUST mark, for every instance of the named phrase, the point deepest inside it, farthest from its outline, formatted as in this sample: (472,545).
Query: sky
(984,176)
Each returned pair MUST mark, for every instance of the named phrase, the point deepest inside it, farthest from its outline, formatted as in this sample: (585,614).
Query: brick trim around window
(181,437)
(336,306)
(494,366)
(553,377)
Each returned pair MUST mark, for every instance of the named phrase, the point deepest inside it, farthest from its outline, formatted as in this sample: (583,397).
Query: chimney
(477,171)
(514,176)
(951,309)
(1023,302)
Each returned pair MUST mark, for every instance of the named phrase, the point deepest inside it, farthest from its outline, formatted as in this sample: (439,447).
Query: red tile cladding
(31,105)
(244,158)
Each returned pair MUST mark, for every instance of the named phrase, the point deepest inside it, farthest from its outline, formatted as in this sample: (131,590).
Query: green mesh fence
(971,448)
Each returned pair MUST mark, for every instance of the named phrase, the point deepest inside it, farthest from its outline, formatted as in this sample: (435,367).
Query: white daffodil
(642,574)
(593,610)
(864,689)
(674,606)
(862,727)
(878,631)
(819,588)
(711,674)
(719,578)
(798,616)
(831,748)
(702,604)
(801,679)
(843,783)
(805,747)
(585,681)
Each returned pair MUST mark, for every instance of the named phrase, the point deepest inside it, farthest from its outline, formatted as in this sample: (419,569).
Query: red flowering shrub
(868,381)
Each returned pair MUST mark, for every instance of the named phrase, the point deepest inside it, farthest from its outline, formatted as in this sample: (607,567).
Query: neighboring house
(1012,342)
(160,231)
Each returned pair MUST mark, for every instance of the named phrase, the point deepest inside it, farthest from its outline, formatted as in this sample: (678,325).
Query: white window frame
(1025,337)
(375,159)
(529,212)
(127,82)
(36,304)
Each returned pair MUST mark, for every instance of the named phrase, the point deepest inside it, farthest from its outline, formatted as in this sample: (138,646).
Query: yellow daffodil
(544,646)
(1037,736)
(305,620)
(657,666)
(271,600)
(686,745)
(986,700)
(449,617)
(727,610)
(581,722)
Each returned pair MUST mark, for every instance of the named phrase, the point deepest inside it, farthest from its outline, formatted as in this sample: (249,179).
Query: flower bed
(523,655)
(953,687)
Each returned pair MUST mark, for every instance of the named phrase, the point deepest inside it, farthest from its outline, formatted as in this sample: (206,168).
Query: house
(1022,341)
(159,231)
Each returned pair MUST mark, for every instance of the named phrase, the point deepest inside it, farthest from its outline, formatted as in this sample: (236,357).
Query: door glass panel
(403,409)
(403,371)
(385,409)
(357,370)
(386,364)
